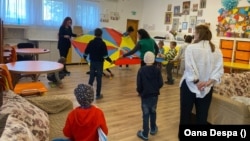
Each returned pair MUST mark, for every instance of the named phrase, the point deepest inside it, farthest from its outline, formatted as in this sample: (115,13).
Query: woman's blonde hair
(204,34)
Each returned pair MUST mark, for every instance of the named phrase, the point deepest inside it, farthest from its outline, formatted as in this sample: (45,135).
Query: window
(54,11)
(87,14)
(14,11)
(50,13)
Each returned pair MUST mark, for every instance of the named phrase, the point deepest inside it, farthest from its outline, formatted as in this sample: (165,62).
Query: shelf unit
(242,52)
(235,50)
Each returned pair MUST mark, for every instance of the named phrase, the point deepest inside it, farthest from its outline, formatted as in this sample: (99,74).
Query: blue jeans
(149,106)
(96,70)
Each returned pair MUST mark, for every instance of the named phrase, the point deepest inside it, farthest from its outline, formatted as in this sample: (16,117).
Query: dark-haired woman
(64,36)
(145,43)
(203,68)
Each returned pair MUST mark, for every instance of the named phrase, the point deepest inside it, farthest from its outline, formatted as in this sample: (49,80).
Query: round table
(34,67)
(32,51)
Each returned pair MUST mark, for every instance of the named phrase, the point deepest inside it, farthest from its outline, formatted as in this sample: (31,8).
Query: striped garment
(170,54)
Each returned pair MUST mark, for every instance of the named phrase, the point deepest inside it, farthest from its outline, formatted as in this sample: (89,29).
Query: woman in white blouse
(203,68)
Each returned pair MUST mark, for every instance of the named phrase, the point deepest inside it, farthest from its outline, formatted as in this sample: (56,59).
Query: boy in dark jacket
(149,82)
(97,51)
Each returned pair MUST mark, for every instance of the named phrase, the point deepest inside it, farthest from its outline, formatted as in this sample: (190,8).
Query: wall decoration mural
(234,22)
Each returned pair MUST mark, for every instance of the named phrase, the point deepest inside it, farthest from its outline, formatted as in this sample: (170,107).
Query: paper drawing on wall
(168,17)
(186,7)
(195,7)
(192,21)
(177,11)
(199,14)
(175,25)
(169,7)
(203,3)
(184,25)
(114,16)
(104,18)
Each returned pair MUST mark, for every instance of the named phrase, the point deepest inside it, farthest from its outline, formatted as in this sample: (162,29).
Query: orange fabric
(82,124)
(30,87)
(6,73)
(25,87)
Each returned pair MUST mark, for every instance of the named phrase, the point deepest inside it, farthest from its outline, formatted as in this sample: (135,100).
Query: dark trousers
(188,99)
(96,70)
(169,69)
(64,52)
(148,106)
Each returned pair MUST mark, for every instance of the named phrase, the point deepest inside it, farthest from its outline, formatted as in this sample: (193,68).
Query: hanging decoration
(230,4)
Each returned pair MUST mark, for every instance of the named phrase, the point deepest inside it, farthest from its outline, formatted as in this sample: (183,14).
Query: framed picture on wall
(177,11)
(203,3)
(190,30)
(169,7)
(192,21)
(195,7)
(199,14)
(168,17)
(175,25)
(184,25)
(186,7)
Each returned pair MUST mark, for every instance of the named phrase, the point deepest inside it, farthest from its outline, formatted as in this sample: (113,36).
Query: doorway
(134,24)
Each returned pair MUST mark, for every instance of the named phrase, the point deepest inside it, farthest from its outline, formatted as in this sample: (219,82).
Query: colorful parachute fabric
(115,41)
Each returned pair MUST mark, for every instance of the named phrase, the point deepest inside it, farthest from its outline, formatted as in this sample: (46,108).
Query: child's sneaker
(140,135)
(153,132)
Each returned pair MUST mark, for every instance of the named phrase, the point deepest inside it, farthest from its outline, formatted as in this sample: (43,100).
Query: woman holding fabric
(64,37)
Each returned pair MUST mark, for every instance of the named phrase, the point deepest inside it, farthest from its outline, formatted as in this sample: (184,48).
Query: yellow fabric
(126,42)
(166,49)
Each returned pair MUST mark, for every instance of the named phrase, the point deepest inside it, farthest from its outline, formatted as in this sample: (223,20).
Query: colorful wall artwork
(234,23)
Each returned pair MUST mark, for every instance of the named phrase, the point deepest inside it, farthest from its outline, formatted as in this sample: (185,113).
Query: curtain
(50,13)
(87,14)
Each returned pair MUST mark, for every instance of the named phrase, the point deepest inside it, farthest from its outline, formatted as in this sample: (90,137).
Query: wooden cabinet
(242,53)
(235,50)
(227,49)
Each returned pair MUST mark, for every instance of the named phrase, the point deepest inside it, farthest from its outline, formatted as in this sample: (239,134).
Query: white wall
(150,13)
(154,14)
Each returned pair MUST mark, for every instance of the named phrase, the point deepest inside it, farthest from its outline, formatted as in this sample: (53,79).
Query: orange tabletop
(34,67)
(239,66)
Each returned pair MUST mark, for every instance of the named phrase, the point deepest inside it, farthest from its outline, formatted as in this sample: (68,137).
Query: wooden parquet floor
(121,105)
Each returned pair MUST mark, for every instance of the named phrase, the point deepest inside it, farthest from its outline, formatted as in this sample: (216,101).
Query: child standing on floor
(83,122)
(169,56)
(149,82)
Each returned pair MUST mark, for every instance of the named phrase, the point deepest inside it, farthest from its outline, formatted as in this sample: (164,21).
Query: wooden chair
(22,88)
(12,57)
